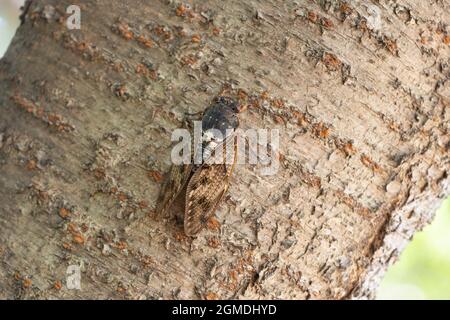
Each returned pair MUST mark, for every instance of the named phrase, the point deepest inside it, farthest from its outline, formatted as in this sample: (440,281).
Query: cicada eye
(229,102)
(221,99)
(234,107)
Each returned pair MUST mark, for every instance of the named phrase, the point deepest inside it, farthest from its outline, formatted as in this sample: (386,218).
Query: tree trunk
(360,94)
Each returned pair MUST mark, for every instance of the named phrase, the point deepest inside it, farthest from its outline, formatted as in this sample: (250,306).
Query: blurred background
(423,270)
(9,21)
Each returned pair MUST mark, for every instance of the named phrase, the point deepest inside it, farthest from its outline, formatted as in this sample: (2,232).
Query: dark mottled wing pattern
(204,191)
(174,183)
(206,183)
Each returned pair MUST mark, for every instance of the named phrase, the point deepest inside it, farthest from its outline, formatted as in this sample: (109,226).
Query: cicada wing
(204,191)
(174,183)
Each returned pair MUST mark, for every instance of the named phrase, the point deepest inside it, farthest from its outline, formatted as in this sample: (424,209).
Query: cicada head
(222,115)
(228,103)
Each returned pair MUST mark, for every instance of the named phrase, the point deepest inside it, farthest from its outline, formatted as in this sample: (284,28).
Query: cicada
(203,184)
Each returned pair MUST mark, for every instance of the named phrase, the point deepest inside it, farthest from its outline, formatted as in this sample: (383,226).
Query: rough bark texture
(85,138)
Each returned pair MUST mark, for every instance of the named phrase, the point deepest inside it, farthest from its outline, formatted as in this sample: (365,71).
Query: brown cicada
(203,183)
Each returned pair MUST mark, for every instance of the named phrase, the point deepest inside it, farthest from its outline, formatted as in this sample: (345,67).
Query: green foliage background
(423,270)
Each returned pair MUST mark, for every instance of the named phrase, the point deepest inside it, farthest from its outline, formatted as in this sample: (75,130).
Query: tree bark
(363,113)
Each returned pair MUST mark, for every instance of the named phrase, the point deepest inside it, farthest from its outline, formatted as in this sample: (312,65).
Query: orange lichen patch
(312,16)
(168,36)
(17,276)
(121,91)
(121,288)
(158,30)
(184,11)
(84,227)
(67,246)
(371,164)
(278,103)
(345,8)
(211,296)
(124,31)
(213,242)
(144,70)
(31,165)
(189,60)
(99,174)
(281,157)
(118,67)
(180,236)
(390,45)
(225,90)
(264,95)
(310,179)
(155,175)
(63,126)
(26,283)
(143,204)
(231,281)
(181,10)
(57,285)
(352,203)
(362,25)
(122,197)
(321,131)
(254,103)
(243,107)
(52,119)
(196,38)
(216,31)
(86,49)
(121,245)
(141,69)
(42,195)
(72,228)
(301,118)
(78,238)
(213,224)
(242,268)
(446,40)
(64,213)
(242,95)
(145,41)
(82,46)
(278,119)
(146,260)
(233,275)
(326,23)
(348,149)
(24,103)
(331,61)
